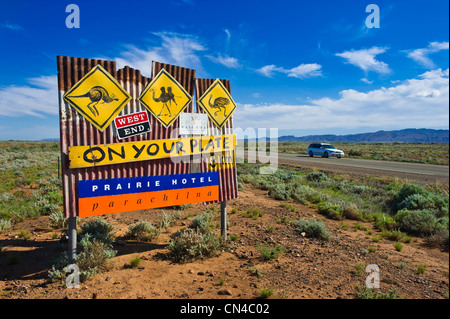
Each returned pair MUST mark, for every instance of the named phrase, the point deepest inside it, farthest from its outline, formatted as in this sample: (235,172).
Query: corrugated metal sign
(86,111)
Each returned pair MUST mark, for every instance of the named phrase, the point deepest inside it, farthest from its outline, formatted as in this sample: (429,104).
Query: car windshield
(328,146)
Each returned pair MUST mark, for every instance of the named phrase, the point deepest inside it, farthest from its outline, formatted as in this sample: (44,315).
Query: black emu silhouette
(219,103)
(97,94)
(165,97)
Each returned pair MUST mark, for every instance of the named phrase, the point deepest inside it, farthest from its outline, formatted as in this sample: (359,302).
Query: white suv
(324,150)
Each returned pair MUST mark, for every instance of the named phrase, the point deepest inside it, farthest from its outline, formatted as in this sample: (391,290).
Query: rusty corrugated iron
(76,131)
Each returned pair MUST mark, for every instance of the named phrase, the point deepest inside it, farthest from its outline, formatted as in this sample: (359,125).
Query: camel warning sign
(217,102)
(98,97)
(165,98)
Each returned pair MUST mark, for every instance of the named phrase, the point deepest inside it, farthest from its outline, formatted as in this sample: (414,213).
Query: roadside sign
(217,103)
(132,124)
(193,124)
(116,195)
(126,152)
(98,97)
(165,98)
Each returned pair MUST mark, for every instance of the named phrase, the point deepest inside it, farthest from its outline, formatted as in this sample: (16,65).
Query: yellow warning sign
(165,98)
(98,97)
(217,102)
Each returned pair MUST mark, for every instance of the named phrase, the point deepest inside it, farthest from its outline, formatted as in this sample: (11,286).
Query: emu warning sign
(165,98)
(217,102)
(98,97)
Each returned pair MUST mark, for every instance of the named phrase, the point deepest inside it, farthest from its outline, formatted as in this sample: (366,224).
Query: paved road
(376,167)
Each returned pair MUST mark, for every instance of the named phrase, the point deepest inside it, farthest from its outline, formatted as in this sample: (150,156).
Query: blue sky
(304,67)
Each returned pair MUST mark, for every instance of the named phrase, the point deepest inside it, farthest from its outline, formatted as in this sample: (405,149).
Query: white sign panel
(193,124)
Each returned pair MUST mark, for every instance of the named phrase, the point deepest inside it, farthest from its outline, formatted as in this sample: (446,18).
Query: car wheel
(339,157)
(311,154)
(325,154)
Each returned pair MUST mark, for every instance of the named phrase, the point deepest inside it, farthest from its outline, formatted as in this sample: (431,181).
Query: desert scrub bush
(143,231)
(316,177)
(5,224)
(421,269)
(202,223)
(368,293)
(439,239)
(396,235)
(330,211)
(280,191)
(168,220)
(414,197)
(58,220)
(190,244)
(270,253)
(252,213)
(421,222)
(98,229)
(93,256)
(312,229)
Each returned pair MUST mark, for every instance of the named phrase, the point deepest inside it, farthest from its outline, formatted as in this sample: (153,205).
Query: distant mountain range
(410,135)
(402,136)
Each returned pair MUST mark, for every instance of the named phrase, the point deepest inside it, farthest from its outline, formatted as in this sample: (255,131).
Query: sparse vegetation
(190,244)
(369,293)
(270,253)
(312,228)
(396,208)
(143,231)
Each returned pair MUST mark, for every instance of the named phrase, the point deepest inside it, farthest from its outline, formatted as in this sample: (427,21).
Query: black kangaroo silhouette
(219,103)
(97,94)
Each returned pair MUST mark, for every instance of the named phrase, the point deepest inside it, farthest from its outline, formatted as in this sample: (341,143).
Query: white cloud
(421,55)
(305,71)
(268,70)
(365,59)
(38,98)
(11,26)
(418,102)
(226,61)
(301,72)
(175,48)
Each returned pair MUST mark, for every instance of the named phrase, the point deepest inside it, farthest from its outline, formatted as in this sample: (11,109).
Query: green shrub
(368,293)
(384,222)
(253,213)
(316,177)
(58,220)
(98,229)
(279,191)
(270,253)
(331,211)
(92,256)
(420,222)
(202,223)
(5,224)
(312,228)
(143,231)
(190,244)
(266,293)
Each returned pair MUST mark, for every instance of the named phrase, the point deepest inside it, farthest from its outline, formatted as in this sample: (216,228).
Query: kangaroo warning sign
(98,97)
(132,124)
(217,102)
(165,98)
